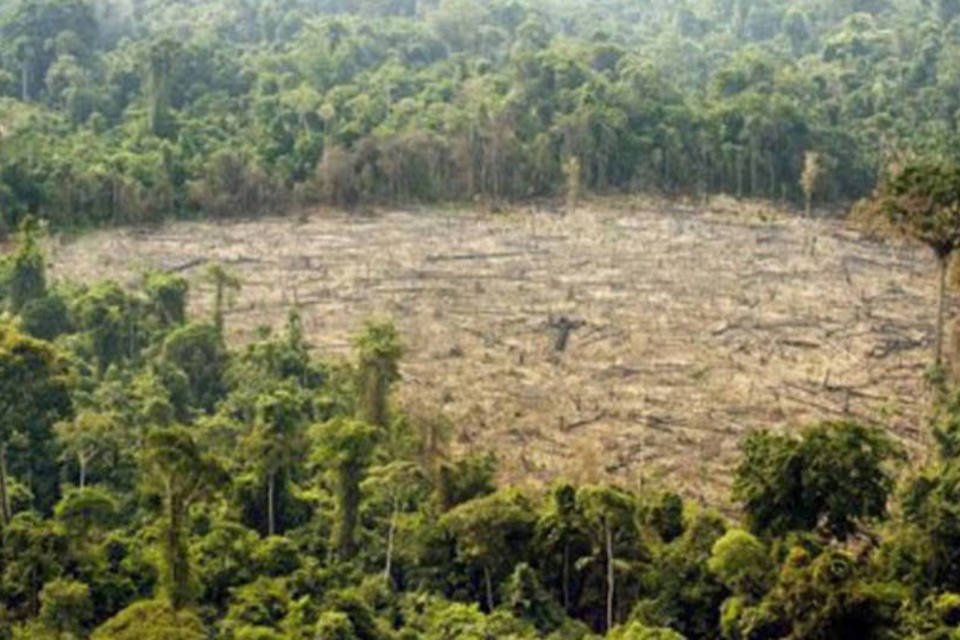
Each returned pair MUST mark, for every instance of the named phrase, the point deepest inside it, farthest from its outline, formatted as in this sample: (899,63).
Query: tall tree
(25,269)
(34,395)
(162,57)
(378,350)
(923,198)
(345,449)
(610,517)
(562,536)
(276,442)
(224,283)
(177,470)
(401,485)
(833,477)
(492,534)
(86,438)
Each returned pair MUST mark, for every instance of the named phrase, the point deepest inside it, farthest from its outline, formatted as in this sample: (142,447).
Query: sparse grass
(701,324)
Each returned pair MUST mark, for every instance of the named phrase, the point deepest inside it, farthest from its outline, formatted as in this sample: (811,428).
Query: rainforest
(479,319)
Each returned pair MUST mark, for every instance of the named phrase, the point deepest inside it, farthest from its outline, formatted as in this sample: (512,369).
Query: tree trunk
(608,539)
(178,564)
(943,262)
(218,307)
(390,536)
(349,504)
(375,396)
(271,485)
(489,584)
(739,163)
(82,461)
(565,577)
(772,173)
(4,497)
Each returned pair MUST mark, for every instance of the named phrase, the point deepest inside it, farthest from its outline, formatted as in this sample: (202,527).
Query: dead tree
(563,327)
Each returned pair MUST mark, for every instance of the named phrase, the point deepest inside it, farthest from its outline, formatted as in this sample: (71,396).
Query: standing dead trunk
(4,496)
(391,533)
(608,539)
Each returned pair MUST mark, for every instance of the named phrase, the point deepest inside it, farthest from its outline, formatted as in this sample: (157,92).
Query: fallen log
(483,256)
(583,423)
(185,266)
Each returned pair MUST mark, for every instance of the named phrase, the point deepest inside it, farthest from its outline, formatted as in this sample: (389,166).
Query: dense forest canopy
(125,111)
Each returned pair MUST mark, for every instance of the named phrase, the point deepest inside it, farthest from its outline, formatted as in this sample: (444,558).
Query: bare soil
(688,327)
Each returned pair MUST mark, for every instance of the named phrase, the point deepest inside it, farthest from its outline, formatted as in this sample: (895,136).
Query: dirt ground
(688,328)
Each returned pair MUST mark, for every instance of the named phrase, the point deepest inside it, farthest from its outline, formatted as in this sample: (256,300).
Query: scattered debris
(686,329)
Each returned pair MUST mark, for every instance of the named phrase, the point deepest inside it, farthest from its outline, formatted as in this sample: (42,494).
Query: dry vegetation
(689,328)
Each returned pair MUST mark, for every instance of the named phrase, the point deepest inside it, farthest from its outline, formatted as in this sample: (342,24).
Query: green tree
(33,553)
(152,620)
(34,394)
(276,442)
(86,514)
(175,469)
(527,599)
(162,56)
(637,631)
(345,448)
(65,607)
(334,625)
(25,269)
(224,283)
(492,534)
(109,319)
(923,199)
(834,476)
(168,297)
(742,563)
(561,535)
(401,485)
(679,590)
(610,517)
(378,350)
(198,351)
(224,560)
(87,438)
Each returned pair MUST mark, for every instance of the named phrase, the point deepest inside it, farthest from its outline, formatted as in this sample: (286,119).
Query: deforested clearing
(635,341)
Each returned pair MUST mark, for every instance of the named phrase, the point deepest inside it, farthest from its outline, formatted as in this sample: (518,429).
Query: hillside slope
(692,327)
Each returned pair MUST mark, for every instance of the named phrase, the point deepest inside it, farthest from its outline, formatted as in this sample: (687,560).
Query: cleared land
(690,328)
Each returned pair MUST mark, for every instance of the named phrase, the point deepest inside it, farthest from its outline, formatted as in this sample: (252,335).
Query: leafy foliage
(156,482)
(832,477)
(148,109)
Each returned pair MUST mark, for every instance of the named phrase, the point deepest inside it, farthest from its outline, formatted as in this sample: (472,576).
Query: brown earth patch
(688,328)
